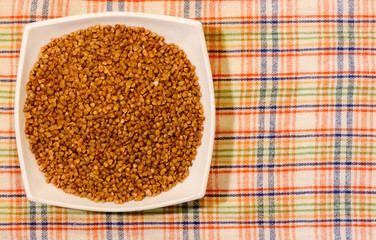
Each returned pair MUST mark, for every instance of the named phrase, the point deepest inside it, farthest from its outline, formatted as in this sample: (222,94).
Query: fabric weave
(294,145)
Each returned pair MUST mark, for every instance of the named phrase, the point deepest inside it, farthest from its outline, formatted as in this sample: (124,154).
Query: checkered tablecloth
(294,154)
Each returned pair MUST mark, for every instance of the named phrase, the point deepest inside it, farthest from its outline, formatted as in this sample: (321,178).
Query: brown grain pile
(113,113)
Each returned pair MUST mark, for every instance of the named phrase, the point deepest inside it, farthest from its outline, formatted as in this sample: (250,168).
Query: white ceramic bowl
(188,35)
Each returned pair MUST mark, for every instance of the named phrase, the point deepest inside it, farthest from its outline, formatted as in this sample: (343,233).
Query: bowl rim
(208,145)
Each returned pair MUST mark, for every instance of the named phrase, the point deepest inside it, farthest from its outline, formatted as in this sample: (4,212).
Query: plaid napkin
(295,131)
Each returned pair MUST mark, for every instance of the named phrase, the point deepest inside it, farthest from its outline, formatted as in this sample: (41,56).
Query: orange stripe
(212,18)
(10,172)
(3,131)
(285,170)
(10,56)
(291,111)
(291,73)
(293,54)
(288,188)
(12,190)
(288,17)
(7,76)
(14,180)
(297,130)
(138,1)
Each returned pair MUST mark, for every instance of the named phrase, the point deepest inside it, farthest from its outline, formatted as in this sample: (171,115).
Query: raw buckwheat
(113,113)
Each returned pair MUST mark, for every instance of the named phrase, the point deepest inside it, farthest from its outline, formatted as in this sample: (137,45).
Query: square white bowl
(185,33)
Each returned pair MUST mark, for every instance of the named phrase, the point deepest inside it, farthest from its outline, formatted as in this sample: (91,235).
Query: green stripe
(10,34)
(290,148)
(298,205)
(7,97)
(293,89)
(297,95)
(223,209)
(8,150)
(289,154)
(8,155)
(285,38)
(11,40)
(4,91)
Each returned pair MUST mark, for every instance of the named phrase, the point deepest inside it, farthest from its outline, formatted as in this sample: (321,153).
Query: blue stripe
(338,49)
(150,223)
(121,230)
(184,209)
(45,9)
(349,118)
(197,222)
(32,209)
(261,123)
(235,22)
(8,80)
(186,9)
(11,137)
(12,195)
(10,51)
(45,222)
(198,9)
(109,6)
(264,78)
(299,106)
(268,22)
(109,226)
(121,6)
(284,193)
(6,108)
(338,123)
(261,136)
(10,167)
(33,8)
(273,116)
(292,165)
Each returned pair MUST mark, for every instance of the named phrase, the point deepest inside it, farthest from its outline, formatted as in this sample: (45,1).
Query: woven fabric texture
(294,150)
